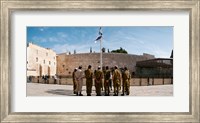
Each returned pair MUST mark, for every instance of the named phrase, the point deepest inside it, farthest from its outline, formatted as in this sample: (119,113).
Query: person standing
(98,80)
(106,81)
(116,81)
(89,77)
(126,76)
(79,78)
(74,81)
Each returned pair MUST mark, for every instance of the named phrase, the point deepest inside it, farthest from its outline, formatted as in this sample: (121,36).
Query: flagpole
(101,53)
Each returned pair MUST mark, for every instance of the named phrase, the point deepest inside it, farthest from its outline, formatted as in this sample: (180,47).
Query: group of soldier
(117,77)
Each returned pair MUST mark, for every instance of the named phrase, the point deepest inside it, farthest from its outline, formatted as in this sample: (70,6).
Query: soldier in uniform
(106,81)
(98,80)
(74,81)
(116,81)
(89,77)
(126,81)
(79,78)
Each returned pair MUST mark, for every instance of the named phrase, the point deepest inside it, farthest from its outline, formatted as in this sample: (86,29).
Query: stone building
(40,61)
(155,68)
(66,63)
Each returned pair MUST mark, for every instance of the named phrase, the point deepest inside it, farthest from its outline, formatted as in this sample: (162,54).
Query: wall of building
(66,63)
(40,61)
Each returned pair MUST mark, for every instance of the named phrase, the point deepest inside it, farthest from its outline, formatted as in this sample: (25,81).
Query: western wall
(66,63)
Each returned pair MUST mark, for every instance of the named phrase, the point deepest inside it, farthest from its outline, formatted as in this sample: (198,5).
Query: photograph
(99,61)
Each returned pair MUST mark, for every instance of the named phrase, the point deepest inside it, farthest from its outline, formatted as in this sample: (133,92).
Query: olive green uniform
(106,82)
(126,82)
(74,82)
(98,81)
(88,76)
(116,81)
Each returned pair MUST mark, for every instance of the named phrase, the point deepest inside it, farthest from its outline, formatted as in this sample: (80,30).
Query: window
(27,62)
(49,62)
(44,61)
(36,59)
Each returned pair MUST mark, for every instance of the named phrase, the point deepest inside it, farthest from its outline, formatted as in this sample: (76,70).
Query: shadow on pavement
(61,92)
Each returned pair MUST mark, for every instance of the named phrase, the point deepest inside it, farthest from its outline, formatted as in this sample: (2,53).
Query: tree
(121,50)
(171,54)
(103,49)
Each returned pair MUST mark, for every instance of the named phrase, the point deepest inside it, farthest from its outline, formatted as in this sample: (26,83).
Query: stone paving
(38,89)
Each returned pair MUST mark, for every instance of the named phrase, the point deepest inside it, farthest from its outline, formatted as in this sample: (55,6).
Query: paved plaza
(38,89)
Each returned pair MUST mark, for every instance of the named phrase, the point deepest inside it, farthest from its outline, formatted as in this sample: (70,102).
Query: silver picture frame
(9,6)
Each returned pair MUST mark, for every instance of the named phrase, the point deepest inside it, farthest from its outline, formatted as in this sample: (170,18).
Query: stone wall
(40,61)
(66,63)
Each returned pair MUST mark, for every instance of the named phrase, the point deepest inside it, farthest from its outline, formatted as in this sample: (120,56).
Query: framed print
(28,22)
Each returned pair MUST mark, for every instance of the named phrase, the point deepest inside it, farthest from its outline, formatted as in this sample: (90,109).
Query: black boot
(80,94)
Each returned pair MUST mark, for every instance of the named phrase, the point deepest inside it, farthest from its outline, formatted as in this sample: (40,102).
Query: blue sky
(137,40)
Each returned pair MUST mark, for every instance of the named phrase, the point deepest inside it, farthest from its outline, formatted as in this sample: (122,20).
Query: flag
(100,35)
(100,31)
(98,38)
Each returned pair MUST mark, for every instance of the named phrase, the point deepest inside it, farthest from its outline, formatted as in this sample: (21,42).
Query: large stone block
(41,80)
(158,81)
(167,81)
(58,81)
(144,81)
(51,81)
(35,80)
(136,81)
(63,81)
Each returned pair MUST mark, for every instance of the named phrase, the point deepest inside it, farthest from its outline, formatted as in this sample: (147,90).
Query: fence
(133,82)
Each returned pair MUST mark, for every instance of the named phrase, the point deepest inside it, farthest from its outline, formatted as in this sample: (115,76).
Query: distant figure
(98,80)
(74,81)
(116,81)
(79,78)
(106,81)
(55,79)
(126,81)
(45,79)
(89,80)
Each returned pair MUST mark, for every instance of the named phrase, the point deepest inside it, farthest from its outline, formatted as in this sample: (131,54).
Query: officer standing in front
(116,81)
(89,77)
(106,81)
(126,76)
(98,80)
